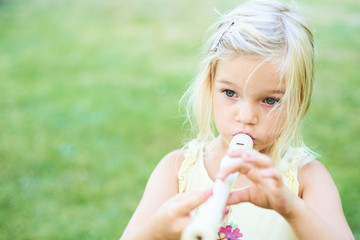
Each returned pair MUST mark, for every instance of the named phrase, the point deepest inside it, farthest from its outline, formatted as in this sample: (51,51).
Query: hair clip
(217,40)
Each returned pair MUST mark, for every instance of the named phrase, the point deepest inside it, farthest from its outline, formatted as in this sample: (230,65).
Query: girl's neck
(218,147)
(213,153)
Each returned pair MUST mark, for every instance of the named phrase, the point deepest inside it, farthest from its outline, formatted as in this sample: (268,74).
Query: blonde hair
(270,30)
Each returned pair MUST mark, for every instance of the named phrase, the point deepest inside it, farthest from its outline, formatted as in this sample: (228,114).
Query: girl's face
(245,95)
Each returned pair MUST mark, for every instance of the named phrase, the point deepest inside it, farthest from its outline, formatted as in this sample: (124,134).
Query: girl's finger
(252,156)
(251,172)
(190,201)
(239,196)
(236,166)
(272,173)
(225,211)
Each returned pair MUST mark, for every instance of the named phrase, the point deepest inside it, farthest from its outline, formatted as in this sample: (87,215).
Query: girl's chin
(261,148)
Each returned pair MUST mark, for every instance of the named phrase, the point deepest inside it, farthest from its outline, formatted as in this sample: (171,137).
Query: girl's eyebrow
(224,81)
(277,91)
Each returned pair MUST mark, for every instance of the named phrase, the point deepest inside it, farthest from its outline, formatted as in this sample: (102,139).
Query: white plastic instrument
(206,224)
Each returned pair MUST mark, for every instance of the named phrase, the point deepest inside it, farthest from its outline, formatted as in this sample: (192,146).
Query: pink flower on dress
(229,233)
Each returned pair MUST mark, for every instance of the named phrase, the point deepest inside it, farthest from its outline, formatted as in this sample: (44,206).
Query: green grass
(89,105)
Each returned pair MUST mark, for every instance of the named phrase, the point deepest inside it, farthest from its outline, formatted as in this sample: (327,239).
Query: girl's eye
(229,93)
(271,101)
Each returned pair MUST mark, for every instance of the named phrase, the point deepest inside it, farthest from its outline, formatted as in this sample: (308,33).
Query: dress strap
(293,160)
(193,150)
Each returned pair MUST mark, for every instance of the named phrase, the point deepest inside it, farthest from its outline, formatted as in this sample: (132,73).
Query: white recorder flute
(206,224)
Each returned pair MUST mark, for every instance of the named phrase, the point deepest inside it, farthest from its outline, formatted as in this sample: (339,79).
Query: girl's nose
(246,113)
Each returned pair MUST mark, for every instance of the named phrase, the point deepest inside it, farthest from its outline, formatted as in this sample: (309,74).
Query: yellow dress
(245,221)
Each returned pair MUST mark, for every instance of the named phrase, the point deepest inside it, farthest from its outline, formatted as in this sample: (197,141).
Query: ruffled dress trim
(192,154)
(290,164)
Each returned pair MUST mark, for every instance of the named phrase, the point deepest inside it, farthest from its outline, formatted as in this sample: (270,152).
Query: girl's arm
(318,214)
(162,213)
(315,214)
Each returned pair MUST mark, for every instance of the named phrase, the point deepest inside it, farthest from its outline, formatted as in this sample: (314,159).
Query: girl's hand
(267,189)
(174,215)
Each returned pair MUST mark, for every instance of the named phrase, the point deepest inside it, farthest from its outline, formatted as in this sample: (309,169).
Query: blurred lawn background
(89,105)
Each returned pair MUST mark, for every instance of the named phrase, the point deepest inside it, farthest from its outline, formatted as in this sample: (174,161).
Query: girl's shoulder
(178,158)
(313,175)
(174,159)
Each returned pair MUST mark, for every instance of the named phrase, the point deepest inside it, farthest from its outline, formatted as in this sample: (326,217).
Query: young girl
(256,79)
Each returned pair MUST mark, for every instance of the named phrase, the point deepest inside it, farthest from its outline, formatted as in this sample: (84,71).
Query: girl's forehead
(249,71)
(246,66)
